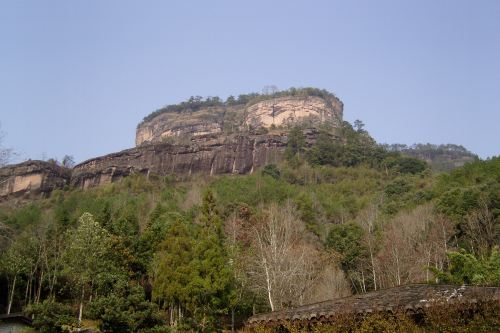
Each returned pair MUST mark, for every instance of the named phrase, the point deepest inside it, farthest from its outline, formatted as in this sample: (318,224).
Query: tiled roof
(410,297)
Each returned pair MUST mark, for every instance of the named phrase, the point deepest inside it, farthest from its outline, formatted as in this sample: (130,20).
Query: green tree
(52,317)
(404,164)
(172,271)
(271,170)
(212,284)
(359,125)
(68,161)
(325,151)
(347,240)
(466,268)
(125,310)
(295,144)
(12,263)
(87,257)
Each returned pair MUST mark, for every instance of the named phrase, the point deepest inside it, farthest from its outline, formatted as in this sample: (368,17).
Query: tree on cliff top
(5,153)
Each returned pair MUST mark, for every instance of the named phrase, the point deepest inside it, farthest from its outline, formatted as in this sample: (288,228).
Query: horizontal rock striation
(209,154)
(181,125)
(223,138)
(290,110)
(32,178)
(280,111)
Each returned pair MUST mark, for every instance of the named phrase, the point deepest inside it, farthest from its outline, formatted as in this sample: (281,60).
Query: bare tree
(68,161)
(414,241)
(330,283)
(479,229)
(367,219)
(284,264)
(5,153)
(270,90)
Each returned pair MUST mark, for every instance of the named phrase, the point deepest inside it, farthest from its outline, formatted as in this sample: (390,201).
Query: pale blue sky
(77,76)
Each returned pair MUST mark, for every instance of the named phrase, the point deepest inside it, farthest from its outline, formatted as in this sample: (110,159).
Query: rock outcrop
(171,125)
(32,178)
(212,154)
(311,110)
(284,111)
(209,154)
(223,138)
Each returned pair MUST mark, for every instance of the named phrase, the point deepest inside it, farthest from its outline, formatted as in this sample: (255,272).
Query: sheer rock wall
(38,178)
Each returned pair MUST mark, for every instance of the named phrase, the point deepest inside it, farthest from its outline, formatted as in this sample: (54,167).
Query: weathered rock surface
(32,178)
(224,139)
(312,110)
(211,154)
(181,125)
(281,111)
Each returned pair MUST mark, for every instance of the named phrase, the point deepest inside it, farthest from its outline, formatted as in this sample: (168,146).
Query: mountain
(226,209)
(197,136)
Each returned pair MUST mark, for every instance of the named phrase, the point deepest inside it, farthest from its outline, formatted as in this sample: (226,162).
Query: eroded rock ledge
(37,178)
(273,112)
(209,154)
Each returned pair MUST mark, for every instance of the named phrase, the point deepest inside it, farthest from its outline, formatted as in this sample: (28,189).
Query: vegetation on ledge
(196,103)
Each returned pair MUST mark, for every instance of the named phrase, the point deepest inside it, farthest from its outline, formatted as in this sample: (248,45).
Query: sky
(76,77)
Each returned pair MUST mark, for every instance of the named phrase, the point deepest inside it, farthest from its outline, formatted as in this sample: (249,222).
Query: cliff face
(311,110)
(209,154)
(281,111)
(212,154)
(32,178)
(222,139)
(181,125)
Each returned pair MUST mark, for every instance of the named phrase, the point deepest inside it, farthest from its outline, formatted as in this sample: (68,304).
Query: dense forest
(180,253)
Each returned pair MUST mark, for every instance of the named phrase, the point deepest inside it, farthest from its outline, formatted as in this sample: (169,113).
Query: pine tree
(211,262)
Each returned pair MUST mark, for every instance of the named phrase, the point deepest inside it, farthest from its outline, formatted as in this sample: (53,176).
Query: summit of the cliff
(245,114)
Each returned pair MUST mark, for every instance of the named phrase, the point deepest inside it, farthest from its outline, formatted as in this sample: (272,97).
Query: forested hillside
(343,216)
(444,157)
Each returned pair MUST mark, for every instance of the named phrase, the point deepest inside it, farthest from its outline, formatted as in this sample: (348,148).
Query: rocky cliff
(290,110)
(282,111)
(209,137)
(211,154)
(32,178)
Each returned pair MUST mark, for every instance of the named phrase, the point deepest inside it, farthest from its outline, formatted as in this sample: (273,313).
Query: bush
(51,317)
(271,170)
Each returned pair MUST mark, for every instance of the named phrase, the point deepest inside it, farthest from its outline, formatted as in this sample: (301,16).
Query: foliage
(404,164)
(465,268)
(87,256)
(360,214)
(212,274)
(295,146)
(346,239)
(444,157)
(51,316)
(195,103)
(468,193)
(272,171)
(352,148)
(173,272)
(192,267)
(125,310)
